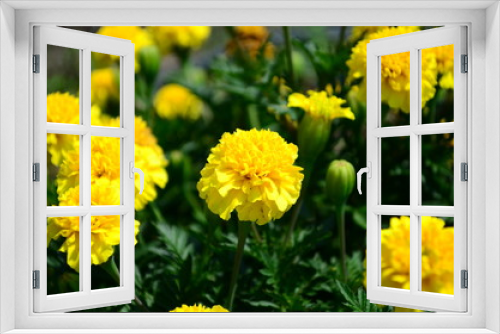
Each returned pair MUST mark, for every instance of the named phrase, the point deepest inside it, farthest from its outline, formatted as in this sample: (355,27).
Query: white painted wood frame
(86,43)
(414,43)
(17,19)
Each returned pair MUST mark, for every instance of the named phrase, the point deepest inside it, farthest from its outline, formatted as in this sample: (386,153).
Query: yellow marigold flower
(251,172)
(105,230)
(321,105)
(151,160)
(69,170)
(61,108)
(175,101)
(252,41)
(199,308)
(184,37)
(105,164)
(445,64)
(104,86)
(105,154)
(139,36)
(437,255)
(395,72)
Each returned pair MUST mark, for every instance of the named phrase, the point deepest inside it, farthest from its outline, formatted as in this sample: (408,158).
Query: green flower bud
(149,61)
(312,137)
(176,158)
(340,179)
(299,63)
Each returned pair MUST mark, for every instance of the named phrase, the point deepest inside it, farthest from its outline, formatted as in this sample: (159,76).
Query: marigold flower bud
(340,179)
(321,108)
(149,61)
(313,136)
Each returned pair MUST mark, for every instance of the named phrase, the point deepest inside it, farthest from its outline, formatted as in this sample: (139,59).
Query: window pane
(105,251)
(63,170)
(395,89)
(395,171)
(395,251)
(105,170)
(105,90)
(63,82)
(437,169)
(63,255)
(437,84)
(437,254)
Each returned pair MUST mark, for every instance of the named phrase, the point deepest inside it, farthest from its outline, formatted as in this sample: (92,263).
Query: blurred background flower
(250,41)
(183,37)
(175,101)
(137,35)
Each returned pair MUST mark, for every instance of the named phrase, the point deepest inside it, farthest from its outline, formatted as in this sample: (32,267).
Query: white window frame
(483,20)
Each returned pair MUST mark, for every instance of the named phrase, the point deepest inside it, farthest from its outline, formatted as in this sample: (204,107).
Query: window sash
(86,297)
(413,298)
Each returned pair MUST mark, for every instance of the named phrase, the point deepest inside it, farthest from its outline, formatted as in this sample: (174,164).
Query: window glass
(395,89)
(63,256)
(105,90)
(63,85)
(437,84)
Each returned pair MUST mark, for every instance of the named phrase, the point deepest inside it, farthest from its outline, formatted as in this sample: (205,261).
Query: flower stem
(157,212)
(243,229)
(256,234)
(298,206)
(288,51)
(113,271)
(253,116)
(340,218)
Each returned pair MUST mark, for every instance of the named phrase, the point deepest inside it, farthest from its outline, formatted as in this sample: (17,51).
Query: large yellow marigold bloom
(253,173)
(437,255)
(321,105)
(61,108)
(251,40)
(137,35)
(175,101)
(184,37)
(395,72)
(104,86)
(105,230)
(199,308)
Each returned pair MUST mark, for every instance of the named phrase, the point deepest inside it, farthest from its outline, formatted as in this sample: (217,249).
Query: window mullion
(414,171)
(85,167)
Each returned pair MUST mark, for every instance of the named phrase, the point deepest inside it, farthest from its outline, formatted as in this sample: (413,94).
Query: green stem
(308,166)
(253,116)
(256,234)
(157,211)
(340,218)
(243,229)
(113,271)
(341,37)
(288,51)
